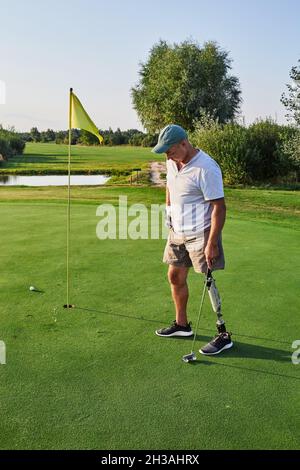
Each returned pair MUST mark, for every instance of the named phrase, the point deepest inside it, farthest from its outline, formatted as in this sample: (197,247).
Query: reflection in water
(52,180)
(4,179)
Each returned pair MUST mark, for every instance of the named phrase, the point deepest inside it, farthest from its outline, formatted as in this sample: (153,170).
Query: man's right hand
(168,219)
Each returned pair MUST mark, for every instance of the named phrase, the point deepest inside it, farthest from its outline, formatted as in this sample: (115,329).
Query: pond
(52,180)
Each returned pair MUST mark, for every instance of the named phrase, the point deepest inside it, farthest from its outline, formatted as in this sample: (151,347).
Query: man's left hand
(211,253)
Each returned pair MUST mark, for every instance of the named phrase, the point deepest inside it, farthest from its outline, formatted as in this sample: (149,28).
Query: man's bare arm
(168,202)
(218,217)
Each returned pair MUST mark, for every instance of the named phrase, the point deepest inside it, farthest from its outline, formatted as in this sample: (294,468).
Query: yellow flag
(80,119)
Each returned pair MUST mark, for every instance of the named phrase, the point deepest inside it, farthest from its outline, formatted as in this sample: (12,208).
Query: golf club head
(189,357)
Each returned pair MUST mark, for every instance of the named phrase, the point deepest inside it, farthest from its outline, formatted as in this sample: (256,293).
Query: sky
(97,47)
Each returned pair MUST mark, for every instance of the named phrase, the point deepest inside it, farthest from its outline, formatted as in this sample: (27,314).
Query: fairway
(129,135)
(53,158)
(97,377)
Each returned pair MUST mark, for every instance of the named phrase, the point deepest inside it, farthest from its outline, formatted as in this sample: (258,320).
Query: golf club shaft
(200,310)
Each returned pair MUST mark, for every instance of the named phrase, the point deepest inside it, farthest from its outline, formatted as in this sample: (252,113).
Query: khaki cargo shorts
(188,251)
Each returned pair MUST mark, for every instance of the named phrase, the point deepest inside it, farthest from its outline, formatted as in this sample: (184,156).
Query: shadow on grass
(240,349)
(250,351)
(37,157)
(119,315)
(188,338)
(49,159)
(235,334)
(253,351)
(243,368)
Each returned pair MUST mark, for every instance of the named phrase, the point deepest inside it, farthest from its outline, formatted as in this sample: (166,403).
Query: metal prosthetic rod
(215,301)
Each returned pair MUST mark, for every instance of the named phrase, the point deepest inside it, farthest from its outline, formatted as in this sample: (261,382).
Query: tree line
(193,86)
(82,137)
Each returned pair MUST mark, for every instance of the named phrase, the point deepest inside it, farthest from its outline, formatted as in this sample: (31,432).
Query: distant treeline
(118,137)
(263,152)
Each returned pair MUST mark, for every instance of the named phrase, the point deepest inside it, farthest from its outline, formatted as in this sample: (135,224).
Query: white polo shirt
(191,188)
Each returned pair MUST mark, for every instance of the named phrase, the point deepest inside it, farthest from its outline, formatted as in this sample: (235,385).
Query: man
(196,211)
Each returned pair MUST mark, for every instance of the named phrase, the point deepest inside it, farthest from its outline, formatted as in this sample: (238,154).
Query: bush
(61,136)
(137,139)
(227,145)
(248,155)
(86,138)
(266,159)
(149,140)
(5,149)
(17,144)
(291,148)
(10,143)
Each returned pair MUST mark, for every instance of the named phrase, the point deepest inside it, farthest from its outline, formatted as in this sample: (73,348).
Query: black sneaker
(219,343)
(175,330)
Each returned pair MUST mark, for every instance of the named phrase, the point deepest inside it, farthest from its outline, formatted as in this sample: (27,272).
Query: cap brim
(160,148)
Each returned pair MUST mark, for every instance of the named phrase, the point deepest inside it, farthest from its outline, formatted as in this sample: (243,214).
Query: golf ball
(31,288)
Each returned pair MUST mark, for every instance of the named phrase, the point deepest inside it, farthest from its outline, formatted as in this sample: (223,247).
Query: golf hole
(69,306)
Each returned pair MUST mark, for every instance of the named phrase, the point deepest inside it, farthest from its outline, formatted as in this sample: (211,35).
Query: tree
(86,138)
(35,134)
(118,138)
(60,137)
(50,135)
(150,140)
(179,82)
(292,101)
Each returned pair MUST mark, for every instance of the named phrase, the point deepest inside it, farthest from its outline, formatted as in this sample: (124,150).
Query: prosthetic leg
(215,302)
(223,339)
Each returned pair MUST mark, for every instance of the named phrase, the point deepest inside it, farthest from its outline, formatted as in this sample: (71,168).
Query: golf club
(192,356)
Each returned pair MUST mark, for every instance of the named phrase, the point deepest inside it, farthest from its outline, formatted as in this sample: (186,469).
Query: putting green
(97,377)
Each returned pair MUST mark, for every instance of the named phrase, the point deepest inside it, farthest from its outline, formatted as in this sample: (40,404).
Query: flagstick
(69,196)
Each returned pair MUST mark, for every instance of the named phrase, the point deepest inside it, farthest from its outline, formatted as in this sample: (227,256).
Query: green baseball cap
(169,135)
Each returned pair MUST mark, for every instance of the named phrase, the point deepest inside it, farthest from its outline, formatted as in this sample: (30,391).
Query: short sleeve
(211,183)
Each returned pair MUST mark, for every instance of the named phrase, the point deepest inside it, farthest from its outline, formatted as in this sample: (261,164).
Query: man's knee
(177,277)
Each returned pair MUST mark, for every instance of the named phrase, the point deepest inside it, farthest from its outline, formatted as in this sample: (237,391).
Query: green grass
(97,377)
(52,159)
(270,206)
(279,206)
